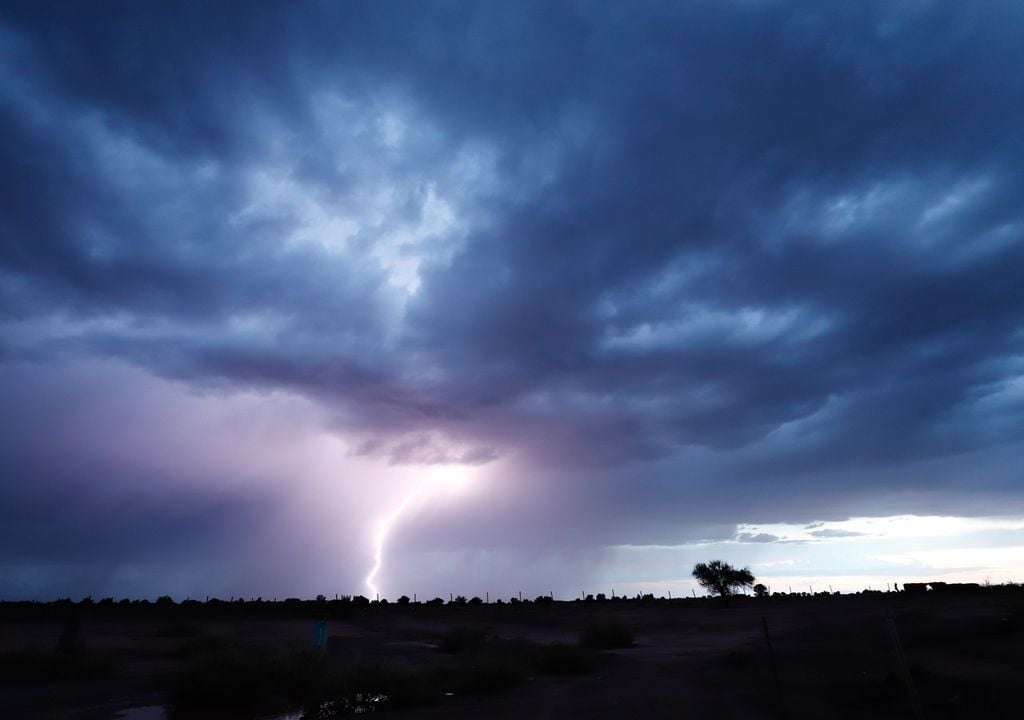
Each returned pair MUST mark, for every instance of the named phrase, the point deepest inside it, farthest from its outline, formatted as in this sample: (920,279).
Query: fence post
(775,667)
(915,702)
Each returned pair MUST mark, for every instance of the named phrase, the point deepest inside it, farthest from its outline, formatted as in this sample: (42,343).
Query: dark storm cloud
(783,236)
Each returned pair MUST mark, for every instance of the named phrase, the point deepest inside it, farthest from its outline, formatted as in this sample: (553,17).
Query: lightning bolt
(439,479)
(380,537)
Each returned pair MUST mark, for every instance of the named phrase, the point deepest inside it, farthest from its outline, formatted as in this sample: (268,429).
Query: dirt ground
(836,657)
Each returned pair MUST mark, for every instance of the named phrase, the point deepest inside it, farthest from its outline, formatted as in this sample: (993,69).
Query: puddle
(358,704)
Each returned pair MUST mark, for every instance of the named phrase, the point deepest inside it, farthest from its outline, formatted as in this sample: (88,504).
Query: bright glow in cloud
(441,482)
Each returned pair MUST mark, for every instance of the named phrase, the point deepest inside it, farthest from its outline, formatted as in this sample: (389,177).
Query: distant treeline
(342,607)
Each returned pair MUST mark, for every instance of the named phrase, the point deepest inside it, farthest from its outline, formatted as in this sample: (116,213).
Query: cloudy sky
(508,296)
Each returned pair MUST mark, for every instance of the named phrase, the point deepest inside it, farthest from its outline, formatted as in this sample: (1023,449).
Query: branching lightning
(439,479)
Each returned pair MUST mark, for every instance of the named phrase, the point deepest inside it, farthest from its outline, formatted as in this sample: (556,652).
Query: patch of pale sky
(957,199)
(1002,561)
(899,526)
(744,325)
(876,551)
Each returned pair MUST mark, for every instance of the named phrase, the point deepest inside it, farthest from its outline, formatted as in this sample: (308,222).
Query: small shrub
(519,650)
(492,673)
(484,666)
(563,659)
(220,675)
(461,640)
(545,659)
(606,636)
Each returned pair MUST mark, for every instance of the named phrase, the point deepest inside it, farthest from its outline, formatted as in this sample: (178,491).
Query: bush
(606,636)
(483,666)
(563,659)
(216,674)
(491,673)
(460,640)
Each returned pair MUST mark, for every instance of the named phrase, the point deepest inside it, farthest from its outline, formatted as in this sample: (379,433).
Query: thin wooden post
(775,667)
(915,702)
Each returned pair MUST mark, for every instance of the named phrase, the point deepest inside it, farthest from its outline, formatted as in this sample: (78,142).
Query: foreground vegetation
(219,675)
(793,656)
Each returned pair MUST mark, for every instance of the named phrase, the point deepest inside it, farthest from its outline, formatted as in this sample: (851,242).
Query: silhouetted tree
(761,590)
(721,578)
